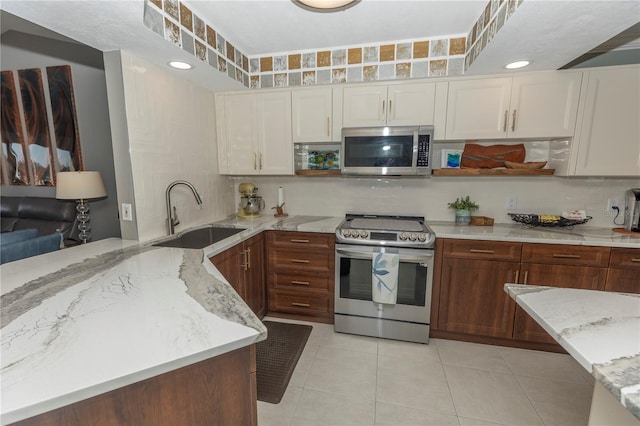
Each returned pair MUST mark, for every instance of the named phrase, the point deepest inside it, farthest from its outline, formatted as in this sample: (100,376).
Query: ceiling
(550,33)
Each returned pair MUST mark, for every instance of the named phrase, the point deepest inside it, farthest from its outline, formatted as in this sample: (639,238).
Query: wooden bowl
(532,165)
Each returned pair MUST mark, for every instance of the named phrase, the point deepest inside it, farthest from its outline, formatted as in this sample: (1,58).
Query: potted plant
(463,208)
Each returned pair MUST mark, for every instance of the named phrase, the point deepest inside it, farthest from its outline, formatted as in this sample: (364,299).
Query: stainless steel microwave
(386,151)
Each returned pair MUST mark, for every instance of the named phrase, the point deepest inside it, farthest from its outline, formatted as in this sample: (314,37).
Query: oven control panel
(364,235)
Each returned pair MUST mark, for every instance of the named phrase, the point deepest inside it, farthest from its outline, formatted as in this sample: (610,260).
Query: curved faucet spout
(172,219)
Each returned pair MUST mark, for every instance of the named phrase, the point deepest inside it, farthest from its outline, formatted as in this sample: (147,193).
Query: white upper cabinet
(393,105)
(544,105)
(607,141)
(477,109)
(312,115)
(275,147)
(254,133)
(537,105)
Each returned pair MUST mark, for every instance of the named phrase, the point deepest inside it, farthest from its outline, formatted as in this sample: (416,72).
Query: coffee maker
(250,202)
(632,210)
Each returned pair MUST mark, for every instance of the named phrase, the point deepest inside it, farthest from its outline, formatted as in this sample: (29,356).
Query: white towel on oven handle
(384,278)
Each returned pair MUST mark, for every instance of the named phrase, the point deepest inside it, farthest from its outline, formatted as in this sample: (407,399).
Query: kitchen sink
(199,238)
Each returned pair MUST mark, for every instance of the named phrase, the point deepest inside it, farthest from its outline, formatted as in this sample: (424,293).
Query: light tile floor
(343,379)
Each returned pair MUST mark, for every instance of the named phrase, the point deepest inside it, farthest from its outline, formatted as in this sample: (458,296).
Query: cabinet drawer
(301,260)
(301,240)
(301,282)
(625,258)
(561,254)
(300,303)
(490,250)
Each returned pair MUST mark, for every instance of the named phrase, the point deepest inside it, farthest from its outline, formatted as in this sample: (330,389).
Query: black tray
(534,220)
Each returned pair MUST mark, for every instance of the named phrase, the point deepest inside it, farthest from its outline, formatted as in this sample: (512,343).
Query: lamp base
(83,221)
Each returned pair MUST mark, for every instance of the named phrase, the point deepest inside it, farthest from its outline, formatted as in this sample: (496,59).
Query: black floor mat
(277,356)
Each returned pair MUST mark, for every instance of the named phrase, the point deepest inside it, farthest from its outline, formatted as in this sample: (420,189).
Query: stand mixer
(250,203)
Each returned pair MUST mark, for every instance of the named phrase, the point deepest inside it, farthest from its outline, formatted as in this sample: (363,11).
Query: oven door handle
(403,257)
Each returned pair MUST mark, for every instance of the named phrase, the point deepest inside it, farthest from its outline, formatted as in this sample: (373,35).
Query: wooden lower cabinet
(469,298)
(624,271)
(218,391)
(243,266)
(472,297)
(565,276)
(300,274)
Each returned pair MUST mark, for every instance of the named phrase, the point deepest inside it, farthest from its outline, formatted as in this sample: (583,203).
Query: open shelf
(331,172)
(493,172)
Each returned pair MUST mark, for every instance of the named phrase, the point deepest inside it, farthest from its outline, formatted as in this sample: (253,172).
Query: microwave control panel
(423,151)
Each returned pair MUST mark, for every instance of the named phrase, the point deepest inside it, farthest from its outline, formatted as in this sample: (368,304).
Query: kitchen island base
(606,410)
(217,391)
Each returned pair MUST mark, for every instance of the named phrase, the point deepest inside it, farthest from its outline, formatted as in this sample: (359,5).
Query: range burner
(385,230)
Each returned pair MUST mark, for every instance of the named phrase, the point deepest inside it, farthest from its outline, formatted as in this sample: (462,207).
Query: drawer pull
(299,241)
(300,260)
(566,256)
(635,259)
(517,276)
(481,251)
(300,282)
(302,305)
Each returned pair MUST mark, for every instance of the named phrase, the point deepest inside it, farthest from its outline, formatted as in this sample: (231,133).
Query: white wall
(171,133)
(429,197)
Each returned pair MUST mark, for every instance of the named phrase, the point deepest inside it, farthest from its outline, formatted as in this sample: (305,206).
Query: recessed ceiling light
(516,65)
(180,65)
(325,5)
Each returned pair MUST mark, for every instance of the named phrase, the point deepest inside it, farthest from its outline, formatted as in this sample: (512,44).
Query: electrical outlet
(126,212)
(611,203)
(511,203)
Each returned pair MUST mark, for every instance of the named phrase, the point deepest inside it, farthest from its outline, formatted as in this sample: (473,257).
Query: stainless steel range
(360,239)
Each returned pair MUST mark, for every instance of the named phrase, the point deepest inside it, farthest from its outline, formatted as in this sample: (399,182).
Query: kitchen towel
(384,278)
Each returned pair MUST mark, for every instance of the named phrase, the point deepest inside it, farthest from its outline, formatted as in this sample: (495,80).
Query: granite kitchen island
(601,330)
(120,332)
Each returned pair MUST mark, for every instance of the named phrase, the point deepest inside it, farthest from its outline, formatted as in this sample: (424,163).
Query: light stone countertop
(85,307)
(89,319)
(601,330)
(579,235)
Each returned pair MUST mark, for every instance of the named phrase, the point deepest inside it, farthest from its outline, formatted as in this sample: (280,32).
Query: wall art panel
(14,158)
(36,126)
(65,121)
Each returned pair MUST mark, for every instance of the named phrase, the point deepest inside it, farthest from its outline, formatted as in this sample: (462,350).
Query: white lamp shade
(80,186)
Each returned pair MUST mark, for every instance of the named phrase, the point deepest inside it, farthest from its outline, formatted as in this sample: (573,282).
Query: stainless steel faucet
(172,219)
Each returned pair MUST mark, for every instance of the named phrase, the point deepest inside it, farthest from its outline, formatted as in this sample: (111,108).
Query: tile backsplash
(447,55)
(335,196)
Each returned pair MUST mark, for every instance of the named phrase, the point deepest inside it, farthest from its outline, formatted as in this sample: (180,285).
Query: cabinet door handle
(566,256)
(302,305)
(481,251)
(382,115)
(293,240)
(300,260)
(635,259)
(506,114)
(244,264)
(248,258)
(260,161)
(255,165)
(526,277)
(513,121)
(391,112)
(300,282)
(328,126)
(517,276)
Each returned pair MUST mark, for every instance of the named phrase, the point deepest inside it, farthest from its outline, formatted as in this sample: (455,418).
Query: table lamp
(81,186)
